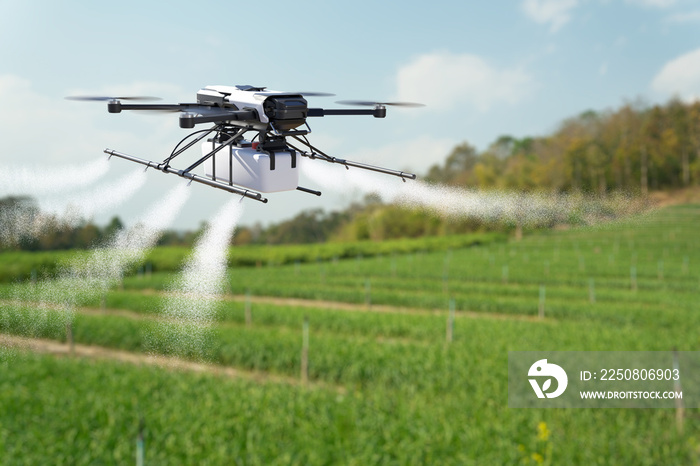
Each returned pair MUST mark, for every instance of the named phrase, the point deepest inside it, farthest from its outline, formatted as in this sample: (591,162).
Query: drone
(257,140)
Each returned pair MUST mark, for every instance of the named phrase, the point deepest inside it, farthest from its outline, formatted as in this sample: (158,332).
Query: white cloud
(442,80)
(652,3)
(556,13)
(680,77)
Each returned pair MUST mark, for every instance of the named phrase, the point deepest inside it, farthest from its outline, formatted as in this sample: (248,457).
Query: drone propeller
(101,98)
(314,94)
(368,103)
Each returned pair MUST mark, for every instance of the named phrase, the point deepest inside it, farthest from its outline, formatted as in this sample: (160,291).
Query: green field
(384,385)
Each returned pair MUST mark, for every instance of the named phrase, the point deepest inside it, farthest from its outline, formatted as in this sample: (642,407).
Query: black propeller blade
(101,98)
(368,103)
(314,94)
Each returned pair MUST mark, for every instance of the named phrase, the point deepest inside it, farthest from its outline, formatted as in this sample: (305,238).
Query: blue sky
(483,69)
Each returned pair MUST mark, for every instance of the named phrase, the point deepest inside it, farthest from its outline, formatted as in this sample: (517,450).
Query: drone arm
(188,120)
(377,112)
(190,116)
(115,106)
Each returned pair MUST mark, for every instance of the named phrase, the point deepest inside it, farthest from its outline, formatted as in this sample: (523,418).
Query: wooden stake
(591,290)
(248,314)
(679,401)
(368,294)
(305,352)
(450,321)
(542,298)
(140,451)
(69,337)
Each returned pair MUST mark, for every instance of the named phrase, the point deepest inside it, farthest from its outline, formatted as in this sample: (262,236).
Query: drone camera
(287,113)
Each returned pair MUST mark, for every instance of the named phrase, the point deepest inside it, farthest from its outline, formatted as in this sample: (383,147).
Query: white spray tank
(243,164)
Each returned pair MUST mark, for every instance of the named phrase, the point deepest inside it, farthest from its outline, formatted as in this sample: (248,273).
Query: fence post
(677,389)
(368,294)
(248,316)
(450,320)
(69,337)
(305,352)
(140,453)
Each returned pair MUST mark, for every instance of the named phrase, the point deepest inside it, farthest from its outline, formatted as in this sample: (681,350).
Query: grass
(385,385)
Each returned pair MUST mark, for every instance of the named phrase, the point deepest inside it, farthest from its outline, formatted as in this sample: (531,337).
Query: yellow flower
(542,432)
(539,459)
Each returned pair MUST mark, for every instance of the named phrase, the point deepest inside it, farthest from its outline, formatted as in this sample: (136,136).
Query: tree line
(23,226)
(635,149)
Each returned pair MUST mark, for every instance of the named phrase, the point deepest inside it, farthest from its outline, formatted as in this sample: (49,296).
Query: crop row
(15,265)
(353,352)
(69,411)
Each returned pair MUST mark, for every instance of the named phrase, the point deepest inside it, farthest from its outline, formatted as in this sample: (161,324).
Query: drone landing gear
(310,191)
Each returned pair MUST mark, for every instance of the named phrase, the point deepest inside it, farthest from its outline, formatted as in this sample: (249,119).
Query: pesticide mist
(65,210)
(514,207)
(40,180)
(87,278)
(191,303)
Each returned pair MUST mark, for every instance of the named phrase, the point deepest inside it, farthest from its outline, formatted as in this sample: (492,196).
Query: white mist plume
(107,264)
(86,204)
(93,274)
(518,207)
(198,288)
(30,221)
(38,180)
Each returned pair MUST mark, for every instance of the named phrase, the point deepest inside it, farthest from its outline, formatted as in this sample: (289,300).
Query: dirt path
(350,307)
(59,349)
(340,306)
